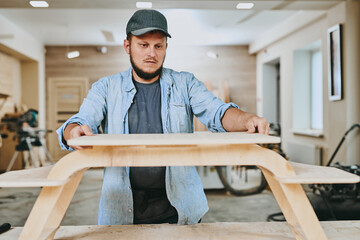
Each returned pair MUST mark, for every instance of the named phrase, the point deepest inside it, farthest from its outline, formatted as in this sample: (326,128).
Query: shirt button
(123,120)
(132,101)
(129,188)
(130,210)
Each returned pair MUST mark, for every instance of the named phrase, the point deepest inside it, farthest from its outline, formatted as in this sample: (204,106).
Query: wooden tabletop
(335,230)
(198,138)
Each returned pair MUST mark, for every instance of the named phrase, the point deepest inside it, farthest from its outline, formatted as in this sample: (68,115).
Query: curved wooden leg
(49,210)
(296,208)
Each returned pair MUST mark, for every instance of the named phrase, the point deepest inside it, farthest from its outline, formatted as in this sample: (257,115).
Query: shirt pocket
(179,118)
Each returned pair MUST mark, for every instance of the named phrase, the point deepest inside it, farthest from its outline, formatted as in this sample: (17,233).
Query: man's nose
(151,51)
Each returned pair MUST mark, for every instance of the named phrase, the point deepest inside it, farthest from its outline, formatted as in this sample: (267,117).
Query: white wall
(334,112)
(24,44)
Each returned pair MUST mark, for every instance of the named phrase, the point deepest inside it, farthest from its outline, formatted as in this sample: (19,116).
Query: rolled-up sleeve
(91,113)
(206,106)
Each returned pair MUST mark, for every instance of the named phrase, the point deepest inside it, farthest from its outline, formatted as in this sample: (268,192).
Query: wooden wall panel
(9,85)
(6,73)
(91,63)
(233,64)
(9,82)
(30,84)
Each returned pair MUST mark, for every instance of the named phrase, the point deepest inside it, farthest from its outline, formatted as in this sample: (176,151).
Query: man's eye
(158,46)
(143,45)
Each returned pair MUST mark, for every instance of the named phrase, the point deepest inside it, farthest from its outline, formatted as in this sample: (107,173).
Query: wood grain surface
(198,138)
(335,230)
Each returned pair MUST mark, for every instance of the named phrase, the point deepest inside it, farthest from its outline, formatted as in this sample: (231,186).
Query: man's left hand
(258,124)
(235,120)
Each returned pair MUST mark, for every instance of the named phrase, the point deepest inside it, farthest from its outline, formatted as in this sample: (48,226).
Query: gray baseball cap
(147,20)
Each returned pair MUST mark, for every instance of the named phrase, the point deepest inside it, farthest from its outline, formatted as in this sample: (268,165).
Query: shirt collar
(166,79)
(128,85)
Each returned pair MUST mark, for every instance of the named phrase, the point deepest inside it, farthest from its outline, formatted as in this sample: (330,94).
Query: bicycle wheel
(242,180)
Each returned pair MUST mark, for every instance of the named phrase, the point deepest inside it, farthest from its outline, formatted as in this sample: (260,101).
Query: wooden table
(335,230)
(200,149)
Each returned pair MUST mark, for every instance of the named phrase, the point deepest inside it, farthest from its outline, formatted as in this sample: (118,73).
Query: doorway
(65,95)
(271,91)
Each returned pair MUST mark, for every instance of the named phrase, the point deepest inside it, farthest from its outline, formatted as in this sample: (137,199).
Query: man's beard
(145,75)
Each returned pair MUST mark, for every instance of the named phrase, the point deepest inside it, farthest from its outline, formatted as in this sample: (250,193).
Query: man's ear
(127,46)
(166,45)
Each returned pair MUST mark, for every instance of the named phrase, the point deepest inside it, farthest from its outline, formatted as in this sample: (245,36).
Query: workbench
(334,230)
(200,149)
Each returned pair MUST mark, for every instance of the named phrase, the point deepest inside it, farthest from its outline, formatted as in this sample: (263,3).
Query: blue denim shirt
(182,96)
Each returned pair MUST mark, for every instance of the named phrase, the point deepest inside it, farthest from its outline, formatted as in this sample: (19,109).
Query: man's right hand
(74,130)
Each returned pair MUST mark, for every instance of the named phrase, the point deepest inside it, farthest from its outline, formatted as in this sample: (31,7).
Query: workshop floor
(16,203)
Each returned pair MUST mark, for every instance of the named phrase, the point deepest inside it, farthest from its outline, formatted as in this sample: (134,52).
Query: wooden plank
(34,177)
(335,230)
(198,138)
(49,209)
(306,174)
(296,208)
(190,155)
(103,156)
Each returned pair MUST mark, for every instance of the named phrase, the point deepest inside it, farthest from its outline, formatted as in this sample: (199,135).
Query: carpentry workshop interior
(174,119)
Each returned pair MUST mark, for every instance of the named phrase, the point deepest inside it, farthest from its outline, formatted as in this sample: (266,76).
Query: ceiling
(81,22)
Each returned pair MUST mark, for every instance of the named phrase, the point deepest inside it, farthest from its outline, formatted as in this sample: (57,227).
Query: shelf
(2,95)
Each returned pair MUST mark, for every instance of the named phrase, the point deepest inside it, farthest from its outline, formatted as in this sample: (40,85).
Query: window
(316,91)
(308,90)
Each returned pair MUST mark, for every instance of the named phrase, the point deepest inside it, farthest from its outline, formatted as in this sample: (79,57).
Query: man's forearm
(235,120)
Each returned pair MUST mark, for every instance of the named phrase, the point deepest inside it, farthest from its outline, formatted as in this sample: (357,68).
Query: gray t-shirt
(151,204)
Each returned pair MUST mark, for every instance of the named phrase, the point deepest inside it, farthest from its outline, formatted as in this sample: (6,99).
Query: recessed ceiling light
(73,54)
(102,49)
(244,5)
(144,4)
(39,4)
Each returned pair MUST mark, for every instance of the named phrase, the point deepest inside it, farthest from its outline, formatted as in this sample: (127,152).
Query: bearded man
(148,98)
